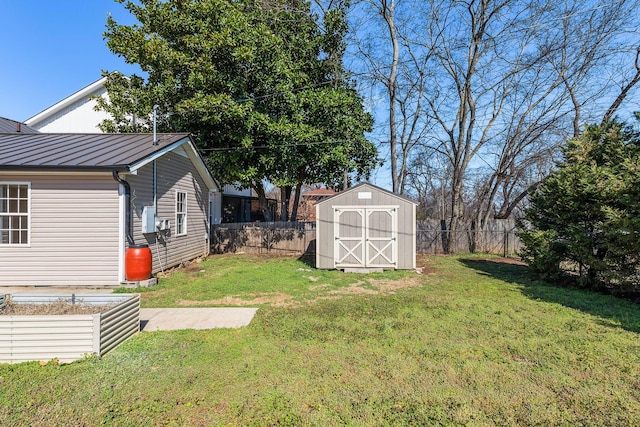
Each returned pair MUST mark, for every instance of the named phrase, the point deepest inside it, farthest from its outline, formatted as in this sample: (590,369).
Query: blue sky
(50,49)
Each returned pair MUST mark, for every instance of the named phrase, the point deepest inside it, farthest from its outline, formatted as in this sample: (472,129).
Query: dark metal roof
(60,151)
(12,126)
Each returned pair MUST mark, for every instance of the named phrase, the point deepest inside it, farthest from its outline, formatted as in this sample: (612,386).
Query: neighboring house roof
(12,126)
(86,152)
(235,190)
(319,192)
(74,113)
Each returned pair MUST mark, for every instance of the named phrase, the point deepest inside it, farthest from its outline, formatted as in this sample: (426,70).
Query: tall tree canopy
(480,94)
(259,83)
(587,212)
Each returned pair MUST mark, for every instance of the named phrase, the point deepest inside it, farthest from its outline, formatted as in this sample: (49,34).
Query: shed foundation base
(363,270)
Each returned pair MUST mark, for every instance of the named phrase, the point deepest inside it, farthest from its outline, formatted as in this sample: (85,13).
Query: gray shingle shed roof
(371,187)
(42,151)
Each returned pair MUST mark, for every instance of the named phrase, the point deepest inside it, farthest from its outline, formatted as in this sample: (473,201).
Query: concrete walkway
(160,319)
(169,319)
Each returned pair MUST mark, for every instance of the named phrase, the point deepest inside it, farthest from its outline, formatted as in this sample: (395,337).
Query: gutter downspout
(127,201)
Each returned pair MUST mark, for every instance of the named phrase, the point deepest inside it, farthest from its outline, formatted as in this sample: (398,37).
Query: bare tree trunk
(296,202)
(403,83)
(387,9)
(262,200)
(623,92)
(456,212)
(285,197)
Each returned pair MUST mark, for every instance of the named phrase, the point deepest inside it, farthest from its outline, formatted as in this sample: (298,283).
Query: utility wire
(254,147)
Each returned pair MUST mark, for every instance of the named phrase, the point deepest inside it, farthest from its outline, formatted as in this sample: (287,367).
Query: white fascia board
(201,167)
(43,115)
(191,151)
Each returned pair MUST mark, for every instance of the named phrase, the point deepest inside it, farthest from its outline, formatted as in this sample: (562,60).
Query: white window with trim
(181,213)
(14,213)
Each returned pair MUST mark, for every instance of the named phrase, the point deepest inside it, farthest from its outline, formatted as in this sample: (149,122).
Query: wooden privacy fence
(499,238)
(264,237)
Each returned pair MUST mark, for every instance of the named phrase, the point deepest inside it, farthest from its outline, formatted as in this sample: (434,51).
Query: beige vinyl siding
(73,232)
(175,172)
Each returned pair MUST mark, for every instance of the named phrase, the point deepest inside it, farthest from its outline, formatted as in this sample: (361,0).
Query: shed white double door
(365,236)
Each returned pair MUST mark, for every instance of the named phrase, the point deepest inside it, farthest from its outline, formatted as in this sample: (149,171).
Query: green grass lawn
(251,280)
(470,342)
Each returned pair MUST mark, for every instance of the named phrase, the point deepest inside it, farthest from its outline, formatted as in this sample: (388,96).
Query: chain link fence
(498,237)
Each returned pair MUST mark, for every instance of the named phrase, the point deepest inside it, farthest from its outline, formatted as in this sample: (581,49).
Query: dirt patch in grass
(192,266)
(275,299)
(423,265)
(370,287)
(378,287)
(56,308)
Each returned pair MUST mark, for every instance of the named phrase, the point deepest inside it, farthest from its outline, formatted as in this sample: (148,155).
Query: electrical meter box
(162,224)
(148,219)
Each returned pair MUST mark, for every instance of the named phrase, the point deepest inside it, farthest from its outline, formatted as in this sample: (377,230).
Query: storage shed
(366,228)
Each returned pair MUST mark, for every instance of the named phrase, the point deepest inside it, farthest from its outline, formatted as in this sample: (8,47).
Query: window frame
(17,213)
(181,213)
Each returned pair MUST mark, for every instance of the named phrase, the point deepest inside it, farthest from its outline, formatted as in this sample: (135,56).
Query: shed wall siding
(325,229)
(74,233)
(174,173)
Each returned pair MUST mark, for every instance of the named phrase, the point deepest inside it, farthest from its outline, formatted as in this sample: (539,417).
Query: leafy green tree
(259,83)
(587,213)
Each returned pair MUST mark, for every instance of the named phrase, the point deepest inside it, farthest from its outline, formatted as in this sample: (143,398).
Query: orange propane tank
(137,263)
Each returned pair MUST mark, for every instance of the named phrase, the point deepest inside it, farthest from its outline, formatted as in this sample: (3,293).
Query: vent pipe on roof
(18,127)
(155,114)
